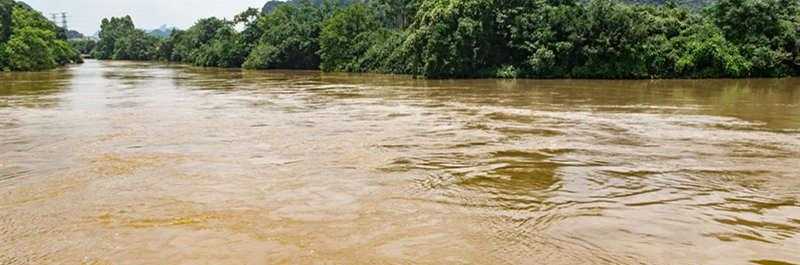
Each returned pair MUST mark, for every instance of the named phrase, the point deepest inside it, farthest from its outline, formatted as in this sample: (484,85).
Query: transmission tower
(64,20)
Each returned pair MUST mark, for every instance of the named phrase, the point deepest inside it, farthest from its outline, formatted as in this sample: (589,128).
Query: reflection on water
(32,90)
(110,162)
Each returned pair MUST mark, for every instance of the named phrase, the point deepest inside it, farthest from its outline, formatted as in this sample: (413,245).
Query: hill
(161,32)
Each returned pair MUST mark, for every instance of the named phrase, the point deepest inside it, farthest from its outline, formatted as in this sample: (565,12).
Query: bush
(4,63)
(223,50)
(490,38)
(264,56)
(137,45)
(703,51)
(290,39)
(63,53)
(83,46)
(29,50)
(346,37)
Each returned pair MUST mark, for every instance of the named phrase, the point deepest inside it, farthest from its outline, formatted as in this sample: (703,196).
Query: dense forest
(486,38)
(30,42)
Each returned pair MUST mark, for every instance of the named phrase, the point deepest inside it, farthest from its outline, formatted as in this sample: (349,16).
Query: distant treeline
(486,38)
(30,42)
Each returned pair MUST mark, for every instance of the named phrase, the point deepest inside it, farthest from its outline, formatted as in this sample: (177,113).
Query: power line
(63,21)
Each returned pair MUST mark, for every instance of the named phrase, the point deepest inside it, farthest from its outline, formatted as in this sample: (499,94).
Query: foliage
(503,38)
(395,13)
(458,38)
(765,30)
(346,36)
(136,45)
(110,31)
(6,9)
(29,42)
(210,42)
(28,50)
(384,55)
(120,40)
(83,46)
(703,51)
(273,5)
(289,38)
(223,50)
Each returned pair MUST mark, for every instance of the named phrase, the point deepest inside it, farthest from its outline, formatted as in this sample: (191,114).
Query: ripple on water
(117,161)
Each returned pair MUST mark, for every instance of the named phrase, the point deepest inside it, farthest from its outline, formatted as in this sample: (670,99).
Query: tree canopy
(29,42)
(497,38)
(121,40)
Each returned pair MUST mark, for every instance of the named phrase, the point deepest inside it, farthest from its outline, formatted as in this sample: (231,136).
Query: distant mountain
(72,34)
(161,32)
(271,5)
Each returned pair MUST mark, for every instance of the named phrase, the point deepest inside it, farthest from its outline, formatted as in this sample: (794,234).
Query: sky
(85,15)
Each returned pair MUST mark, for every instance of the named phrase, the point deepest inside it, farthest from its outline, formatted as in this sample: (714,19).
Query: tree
(290,38)
(456,38)
(33,42)
(249,21)
(6,8)
(346,37)
(487,38)
(703,51)
(224,50)
(766,31)
(84,46)
(137,45)
(395,13)
(28,50)
(210,42)
(112,30)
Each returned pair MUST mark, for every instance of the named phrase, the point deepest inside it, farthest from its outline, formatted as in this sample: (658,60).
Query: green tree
(210,42)
(544,40)
(457,38)
(703,51)
(766,31)
(6,9)
(112,30)
(487,38)
(84,46)
(395,13)
(290,38)
(33,43)
(224,50)
(166,47)
(29,50)
(136,45)
(346,37)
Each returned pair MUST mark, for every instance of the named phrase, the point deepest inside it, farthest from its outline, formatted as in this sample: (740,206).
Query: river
(147,163)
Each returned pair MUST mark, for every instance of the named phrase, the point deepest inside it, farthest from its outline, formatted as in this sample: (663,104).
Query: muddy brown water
(144,163)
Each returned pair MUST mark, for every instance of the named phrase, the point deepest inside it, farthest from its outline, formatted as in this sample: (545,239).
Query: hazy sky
(85,15)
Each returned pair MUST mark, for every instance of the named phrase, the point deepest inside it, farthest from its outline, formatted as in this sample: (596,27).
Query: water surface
(142,163)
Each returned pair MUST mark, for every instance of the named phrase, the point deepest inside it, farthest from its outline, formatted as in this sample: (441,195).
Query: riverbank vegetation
(29,42)
(486,38)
